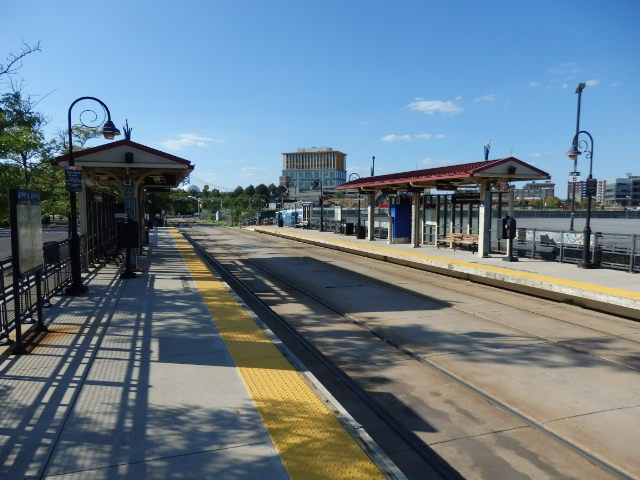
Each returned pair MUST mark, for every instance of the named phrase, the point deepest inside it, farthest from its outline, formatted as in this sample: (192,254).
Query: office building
(623,192)
(305,167)
(535,191)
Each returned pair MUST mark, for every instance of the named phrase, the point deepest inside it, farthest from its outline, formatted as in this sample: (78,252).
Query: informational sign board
(74,179)
(26,231)
(574,177)
(337,213)
(129,200)
(465,197)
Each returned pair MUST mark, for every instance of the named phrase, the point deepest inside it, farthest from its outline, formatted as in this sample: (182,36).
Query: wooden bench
(459,240)
(470,241)
(450,240)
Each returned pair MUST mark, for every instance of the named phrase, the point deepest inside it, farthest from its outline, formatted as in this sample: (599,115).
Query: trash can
(348,228)
(51,253)
(361,232)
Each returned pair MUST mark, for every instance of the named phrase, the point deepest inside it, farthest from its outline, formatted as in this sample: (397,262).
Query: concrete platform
(610,291)
(136,379)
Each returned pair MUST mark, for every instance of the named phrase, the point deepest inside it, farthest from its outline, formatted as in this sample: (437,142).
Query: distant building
(623,192)
(308,165)
(581,190)
(536,191)
(600,192)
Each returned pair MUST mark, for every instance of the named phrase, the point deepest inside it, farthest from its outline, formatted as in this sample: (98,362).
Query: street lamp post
(577,148)
(109,131)
(575,159)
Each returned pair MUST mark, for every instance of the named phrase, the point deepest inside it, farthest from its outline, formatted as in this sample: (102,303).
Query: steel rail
(606,466)
(425,452)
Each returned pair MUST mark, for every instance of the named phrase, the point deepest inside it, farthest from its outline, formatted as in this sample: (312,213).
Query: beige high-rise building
(306,166)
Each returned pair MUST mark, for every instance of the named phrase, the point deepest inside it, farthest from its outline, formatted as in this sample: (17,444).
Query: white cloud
(407,138)
(592,83)
(184,140)
(488,98)
(566,68)
(534,84)
(615,84)
(396,138)
(429,107)
(542,154)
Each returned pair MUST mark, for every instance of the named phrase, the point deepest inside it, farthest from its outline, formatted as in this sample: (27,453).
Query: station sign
(74,179)
(465,197)
(444,185)
(574,177)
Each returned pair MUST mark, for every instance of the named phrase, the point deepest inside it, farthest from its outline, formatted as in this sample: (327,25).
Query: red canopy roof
(503,169)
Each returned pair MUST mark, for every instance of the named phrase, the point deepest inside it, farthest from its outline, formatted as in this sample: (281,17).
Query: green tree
(262,190)
(22,140)
(10,177)
(553,202)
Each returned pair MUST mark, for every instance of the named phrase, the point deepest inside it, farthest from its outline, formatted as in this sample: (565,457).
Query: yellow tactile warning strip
(310,441)
(487,268)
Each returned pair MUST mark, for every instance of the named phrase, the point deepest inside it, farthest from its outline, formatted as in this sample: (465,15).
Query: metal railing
(608,250)
(34,290)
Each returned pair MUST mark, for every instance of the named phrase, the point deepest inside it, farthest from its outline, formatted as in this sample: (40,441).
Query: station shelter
(130,169)
(478,179)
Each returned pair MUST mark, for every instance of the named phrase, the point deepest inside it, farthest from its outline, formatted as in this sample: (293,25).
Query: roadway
(49,234)
(499,384)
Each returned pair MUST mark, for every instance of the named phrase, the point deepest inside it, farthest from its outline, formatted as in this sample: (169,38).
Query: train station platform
(169,376)
(610,291)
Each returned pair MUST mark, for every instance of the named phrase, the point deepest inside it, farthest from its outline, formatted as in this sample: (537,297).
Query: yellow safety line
(504,271)
(311,442)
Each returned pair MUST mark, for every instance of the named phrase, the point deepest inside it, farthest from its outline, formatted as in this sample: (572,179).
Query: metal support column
(370,216)
(484,220)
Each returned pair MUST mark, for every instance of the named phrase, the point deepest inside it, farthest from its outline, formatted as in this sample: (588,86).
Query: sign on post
(574,177)
(74,179)
(26,231)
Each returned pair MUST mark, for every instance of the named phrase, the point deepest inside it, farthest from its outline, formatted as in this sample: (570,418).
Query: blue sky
(230,85)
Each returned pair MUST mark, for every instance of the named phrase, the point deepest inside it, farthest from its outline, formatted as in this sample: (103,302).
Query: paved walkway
(613,291)
(135,380)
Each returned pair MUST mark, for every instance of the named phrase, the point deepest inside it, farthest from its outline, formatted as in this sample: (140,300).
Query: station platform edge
(610,291)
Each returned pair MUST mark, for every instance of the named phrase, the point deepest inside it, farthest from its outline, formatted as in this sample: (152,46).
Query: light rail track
(431,362)
(270,318)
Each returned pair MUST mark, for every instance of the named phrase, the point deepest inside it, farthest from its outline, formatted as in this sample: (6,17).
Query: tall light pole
(373,166)
(575,159)
(579,147)
(109,131)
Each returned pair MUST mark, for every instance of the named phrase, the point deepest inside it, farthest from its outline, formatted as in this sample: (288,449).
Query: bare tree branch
(14,59)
